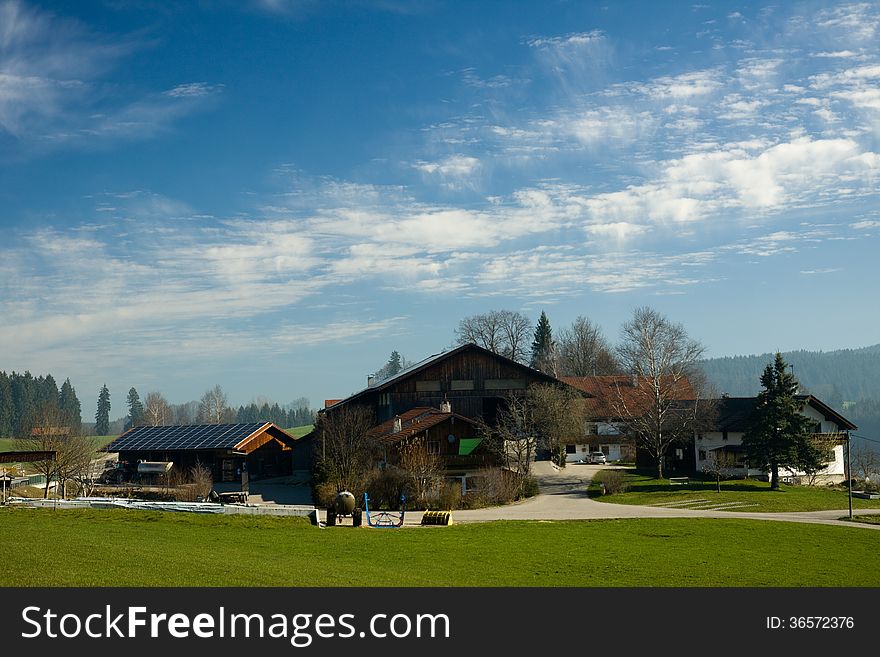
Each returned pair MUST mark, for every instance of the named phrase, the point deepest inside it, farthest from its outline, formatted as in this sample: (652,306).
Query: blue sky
(274,195)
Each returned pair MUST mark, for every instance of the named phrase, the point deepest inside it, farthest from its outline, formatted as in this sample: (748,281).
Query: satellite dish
(451,437)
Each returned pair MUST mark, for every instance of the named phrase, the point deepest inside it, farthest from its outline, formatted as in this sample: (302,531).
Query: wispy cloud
(52,90)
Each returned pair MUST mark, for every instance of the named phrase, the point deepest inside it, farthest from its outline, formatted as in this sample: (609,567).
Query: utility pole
(849,471)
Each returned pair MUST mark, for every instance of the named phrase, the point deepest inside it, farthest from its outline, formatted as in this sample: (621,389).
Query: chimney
(445,406)
(398,425)
(635,380)
(370,379)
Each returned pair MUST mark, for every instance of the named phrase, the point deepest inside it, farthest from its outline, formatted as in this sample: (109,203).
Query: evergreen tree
(543,347)
(71,411)
(135,409)
(779,435)
(7,410)
(102,416)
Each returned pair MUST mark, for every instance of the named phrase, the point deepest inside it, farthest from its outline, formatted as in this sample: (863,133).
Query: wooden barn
(439,401)
(261,449)
(473,381)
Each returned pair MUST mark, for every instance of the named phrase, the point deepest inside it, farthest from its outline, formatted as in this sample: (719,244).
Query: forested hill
(833,376)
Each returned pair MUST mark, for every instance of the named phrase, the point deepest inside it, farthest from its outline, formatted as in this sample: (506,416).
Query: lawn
(751,495)
(299,432)
(41,547)
(868,520)
(9,444)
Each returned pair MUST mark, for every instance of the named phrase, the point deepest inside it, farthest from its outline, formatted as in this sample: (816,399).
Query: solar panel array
(200,436)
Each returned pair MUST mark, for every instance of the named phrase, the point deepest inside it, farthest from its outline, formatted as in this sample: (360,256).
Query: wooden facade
(473,380)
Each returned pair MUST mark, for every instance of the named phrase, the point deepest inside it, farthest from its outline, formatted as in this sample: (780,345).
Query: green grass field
(299,432)
(757,495)
(868,520)
(41,547)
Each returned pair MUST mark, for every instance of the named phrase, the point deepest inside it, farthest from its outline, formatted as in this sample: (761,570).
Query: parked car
(597,457)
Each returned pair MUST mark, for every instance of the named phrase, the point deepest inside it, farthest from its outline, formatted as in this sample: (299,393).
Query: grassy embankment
(131,548)
(749,494)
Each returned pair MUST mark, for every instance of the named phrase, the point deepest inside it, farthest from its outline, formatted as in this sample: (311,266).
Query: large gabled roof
(733,413)
(437,358)
(240,437)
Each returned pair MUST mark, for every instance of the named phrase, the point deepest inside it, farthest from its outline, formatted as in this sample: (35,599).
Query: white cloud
(454,172)
(683,87)
(193,90)
(866,224)
(575,40)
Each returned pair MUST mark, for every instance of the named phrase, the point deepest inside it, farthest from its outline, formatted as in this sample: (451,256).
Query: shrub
(493,486)
(450,496)
(323,494)
(614,481)
(529,487)
(385,486)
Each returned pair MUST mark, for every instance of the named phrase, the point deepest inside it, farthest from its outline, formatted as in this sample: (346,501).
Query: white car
(597,457)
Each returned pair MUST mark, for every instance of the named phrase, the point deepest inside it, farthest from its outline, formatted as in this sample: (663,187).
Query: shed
(260,448)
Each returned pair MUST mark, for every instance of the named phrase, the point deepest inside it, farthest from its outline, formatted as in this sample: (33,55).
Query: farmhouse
(261,449)
(441,399)
(732,422)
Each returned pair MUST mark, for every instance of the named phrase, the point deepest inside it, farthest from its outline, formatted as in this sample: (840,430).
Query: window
(505,384)
(385,399)
(724,435)
(702,454)
(462,384)
(679,453)
(428,386)
(433,445)
(571,449)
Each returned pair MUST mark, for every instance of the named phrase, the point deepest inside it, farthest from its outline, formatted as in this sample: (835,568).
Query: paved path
(564,497)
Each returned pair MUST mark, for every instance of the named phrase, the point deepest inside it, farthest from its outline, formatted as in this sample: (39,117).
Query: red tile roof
(412,422)
(607,396)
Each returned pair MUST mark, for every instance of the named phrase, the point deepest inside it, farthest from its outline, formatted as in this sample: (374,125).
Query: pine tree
(543,347)
(135,409)
(394,365)
(7,409)
(779,435)
(71,410)
(102,416)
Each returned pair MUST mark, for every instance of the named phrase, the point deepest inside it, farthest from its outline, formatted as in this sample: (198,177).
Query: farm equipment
(384,519)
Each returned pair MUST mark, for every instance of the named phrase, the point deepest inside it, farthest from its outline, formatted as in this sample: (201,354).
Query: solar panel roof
(199,436)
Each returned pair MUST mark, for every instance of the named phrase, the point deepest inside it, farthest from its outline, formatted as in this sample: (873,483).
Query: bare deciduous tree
(503,332)
(719,465)
(213,407)
(345,449)
(425,470)
(583,350)
(74,455)
(157,412)
(512,438)
(664,406)
(865,463)
(558,418)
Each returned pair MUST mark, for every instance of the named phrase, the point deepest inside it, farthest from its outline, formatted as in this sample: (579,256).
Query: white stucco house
(732,422)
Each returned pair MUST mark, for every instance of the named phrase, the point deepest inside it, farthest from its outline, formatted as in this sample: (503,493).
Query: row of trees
(212,408)
(580,349)
(28,402)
